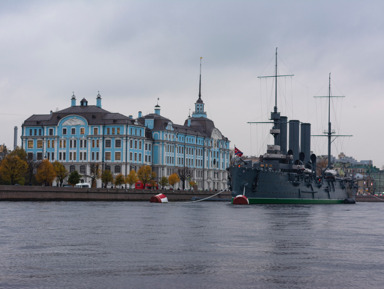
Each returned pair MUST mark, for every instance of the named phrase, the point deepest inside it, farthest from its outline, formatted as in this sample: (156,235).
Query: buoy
(240,200)
(160,198)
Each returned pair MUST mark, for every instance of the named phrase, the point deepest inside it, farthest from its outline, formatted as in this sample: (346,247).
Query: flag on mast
(238,152)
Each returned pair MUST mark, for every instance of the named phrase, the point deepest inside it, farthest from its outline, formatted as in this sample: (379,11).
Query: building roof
(92,113)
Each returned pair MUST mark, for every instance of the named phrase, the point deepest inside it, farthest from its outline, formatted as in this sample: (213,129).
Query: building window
(30,144)
(50,132)
(118,130)
(107,143)
(73,130)
(118,143)
(117,156)
(107,156)
(82,130)
(95,131)
(113,130)
(82,169)
(117,169)
(39,156)
(108,168)
(30,156)
(108,130)
(72,169)
(130,143)
(140,145)
(64,131)
(130,156)
(39,144)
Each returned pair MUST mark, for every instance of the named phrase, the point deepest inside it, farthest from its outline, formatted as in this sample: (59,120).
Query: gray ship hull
(267,186)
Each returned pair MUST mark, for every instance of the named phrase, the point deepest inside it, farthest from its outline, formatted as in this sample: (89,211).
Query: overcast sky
(134,52)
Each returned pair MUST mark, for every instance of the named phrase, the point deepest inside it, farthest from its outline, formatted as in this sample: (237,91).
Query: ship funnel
(294,128)
(306,140)
(283,134)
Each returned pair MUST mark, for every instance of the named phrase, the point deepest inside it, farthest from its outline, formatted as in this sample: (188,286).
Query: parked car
(82,185)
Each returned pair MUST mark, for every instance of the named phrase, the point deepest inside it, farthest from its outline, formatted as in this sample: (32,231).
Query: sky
(136,52)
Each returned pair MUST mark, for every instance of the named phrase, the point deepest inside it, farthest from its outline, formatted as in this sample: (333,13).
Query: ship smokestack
(294,128)
(306,140)
(283,134)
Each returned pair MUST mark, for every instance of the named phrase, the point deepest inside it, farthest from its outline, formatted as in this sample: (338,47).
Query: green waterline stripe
(292,201)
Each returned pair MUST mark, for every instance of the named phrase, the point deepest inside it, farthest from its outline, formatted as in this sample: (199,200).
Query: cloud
(134,52)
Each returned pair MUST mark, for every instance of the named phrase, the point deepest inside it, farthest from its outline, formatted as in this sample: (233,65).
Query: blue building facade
(82,135)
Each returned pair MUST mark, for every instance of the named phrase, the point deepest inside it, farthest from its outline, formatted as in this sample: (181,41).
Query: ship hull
(264,186)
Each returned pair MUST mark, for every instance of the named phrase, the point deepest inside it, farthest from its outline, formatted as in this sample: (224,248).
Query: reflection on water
(198,245)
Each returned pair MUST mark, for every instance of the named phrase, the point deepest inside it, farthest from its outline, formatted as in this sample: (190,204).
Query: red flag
(238,152)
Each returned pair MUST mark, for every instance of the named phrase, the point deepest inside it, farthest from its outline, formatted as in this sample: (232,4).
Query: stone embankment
(37,193)
(369,198)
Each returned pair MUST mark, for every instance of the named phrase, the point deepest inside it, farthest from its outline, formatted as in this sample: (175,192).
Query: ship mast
(330,133)
(275,115)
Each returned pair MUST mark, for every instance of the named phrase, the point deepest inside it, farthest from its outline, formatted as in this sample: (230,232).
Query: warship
(288,174)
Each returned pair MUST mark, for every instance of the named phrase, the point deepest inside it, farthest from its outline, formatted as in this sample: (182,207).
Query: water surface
(190,245)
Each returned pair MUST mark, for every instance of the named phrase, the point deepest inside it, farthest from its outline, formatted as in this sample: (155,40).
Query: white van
(82,185)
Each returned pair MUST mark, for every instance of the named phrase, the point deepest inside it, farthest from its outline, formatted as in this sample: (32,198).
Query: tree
(61,172)
(74,178)
(107,177)
(192,184)
(321,165)
(132,178)
(13,169)
(46,173)
(163,182)
(95,173)
(173,179)
(20,152)
(119,180)
(145,174)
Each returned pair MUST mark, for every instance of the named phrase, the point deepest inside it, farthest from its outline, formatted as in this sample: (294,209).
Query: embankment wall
(37,193)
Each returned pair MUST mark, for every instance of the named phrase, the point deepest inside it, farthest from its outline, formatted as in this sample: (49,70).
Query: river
(190,245)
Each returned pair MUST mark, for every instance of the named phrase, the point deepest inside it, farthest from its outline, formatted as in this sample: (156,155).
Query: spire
(98,99)
(199,105)
(73,99)
(200,82)
(157,107)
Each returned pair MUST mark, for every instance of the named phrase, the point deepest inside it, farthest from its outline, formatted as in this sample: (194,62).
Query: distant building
(81,135)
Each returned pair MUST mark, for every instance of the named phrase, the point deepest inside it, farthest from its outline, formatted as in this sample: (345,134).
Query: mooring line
(206,197)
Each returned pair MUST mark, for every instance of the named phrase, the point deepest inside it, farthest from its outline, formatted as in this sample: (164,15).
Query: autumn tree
(163,182)
(95,173)
(192,184)
(106,177)
(173,179)
(119,180)
(321,165)
(13,169)
(74,178)
(20,152)
(145,174)
(132,178)
(45,173)
(61,172)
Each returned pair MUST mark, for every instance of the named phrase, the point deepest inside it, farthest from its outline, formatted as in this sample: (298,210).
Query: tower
(15,137)
(98,100)
(199,104)
(73,99)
